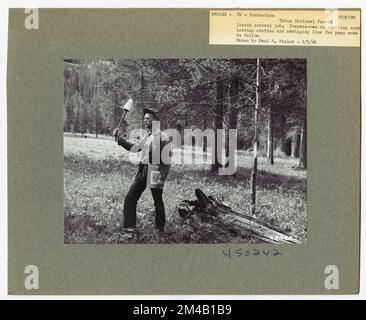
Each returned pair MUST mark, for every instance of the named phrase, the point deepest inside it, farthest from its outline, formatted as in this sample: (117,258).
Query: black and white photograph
(185,151)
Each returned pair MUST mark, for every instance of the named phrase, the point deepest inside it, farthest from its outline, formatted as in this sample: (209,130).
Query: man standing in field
(152,170)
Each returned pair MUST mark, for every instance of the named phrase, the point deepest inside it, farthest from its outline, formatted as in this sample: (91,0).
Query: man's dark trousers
(137,188)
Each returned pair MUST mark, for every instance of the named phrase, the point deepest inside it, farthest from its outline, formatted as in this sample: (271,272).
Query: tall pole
(255,144)
(96,112)
(270,136)
(217,152)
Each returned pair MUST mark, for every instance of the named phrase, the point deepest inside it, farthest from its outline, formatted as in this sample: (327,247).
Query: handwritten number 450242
(251,253)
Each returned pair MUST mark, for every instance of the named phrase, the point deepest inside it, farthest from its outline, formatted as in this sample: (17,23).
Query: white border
(6,4)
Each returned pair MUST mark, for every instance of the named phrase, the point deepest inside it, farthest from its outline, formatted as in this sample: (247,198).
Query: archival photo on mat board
(220,143)
(152,143)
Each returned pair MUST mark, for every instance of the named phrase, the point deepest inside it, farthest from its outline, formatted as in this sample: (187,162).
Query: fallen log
(209,209)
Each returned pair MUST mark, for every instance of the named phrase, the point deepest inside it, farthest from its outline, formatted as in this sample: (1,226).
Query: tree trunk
(255,146)
(295,140)
(211,210)
(270,136)
(116,109)
(204,143)
(233,108)
(285,141)
(303,146)
(180,130)
(219,112)
(96,111)
(233,112)
(142,97)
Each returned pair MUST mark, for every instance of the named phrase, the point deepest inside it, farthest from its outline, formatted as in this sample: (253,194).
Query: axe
(126,108)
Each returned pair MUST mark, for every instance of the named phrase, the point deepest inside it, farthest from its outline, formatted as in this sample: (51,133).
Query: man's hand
(116,134)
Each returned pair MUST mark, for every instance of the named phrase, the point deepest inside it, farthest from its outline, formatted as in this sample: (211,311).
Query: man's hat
(151,111)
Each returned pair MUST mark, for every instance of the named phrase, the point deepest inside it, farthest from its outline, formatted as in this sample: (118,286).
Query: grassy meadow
(98,174)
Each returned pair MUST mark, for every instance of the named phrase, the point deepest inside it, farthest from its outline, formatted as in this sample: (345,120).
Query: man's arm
(129,146)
